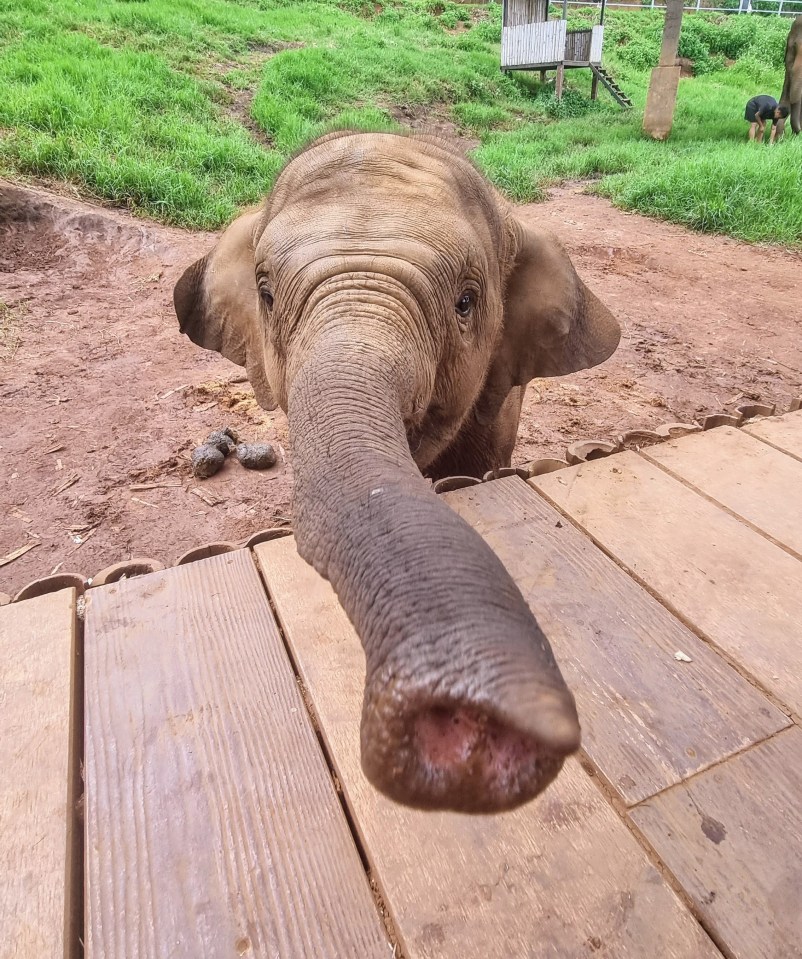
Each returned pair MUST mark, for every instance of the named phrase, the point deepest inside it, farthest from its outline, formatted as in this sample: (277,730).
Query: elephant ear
(553,324)
(217,304)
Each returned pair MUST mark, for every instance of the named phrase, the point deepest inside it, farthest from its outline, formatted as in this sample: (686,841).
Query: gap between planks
(653,855)
(774,446)
(78,843)
(622,811)
(315,723)
(757,429)
(644,455)
(688,623)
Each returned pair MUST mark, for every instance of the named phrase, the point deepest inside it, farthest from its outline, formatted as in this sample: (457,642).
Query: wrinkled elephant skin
(389,300)
(791,95)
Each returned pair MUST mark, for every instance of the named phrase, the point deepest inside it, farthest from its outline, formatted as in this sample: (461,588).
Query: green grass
(186,109)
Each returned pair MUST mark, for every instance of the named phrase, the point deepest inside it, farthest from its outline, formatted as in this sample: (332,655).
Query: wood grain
(648,721)
(783,432)
(740,591)
(757,482)
(733,838)
(38,778)
(562,877)
(213,828)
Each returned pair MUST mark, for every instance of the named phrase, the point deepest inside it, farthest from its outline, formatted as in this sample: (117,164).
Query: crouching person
(762,109)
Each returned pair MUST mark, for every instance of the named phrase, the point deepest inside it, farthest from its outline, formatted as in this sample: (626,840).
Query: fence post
(780,9)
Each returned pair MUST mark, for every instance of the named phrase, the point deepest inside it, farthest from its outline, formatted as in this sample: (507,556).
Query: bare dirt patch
(103,396)
(434,119)
(707,323)
(238,98)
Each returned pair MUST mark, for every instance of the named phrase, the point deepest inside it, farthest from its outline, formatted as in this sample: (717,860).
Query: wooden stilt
(559,83)
(542,76)
(594,87)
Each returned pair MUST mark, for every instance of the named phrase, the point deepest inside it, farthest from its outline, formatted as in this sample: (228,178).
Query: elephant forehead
(387,172)
(438,242)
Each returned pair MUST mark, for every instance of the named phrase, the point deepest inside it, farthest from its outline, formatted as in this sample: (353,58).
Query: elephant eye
(265,294)
(464,304)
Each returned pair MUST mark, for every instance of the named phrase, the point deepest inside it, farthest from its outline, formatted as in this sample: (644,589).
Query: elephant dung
(222,440)
(256,456)
(206,461)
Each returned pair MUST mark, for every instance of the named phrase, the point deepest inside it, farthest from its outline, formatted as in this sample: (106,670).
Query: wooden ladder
(612,87)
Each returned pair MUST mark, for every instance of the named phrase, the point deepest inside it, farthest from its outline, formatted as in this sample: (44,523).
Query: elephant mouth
(458,756)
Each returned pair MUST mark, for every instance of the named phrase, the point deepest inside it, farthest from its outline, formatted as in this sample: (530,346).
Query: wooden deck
(180,750)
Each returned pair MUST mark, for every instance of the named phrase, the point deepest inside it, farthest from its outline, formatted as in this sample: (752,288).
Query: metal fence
(783,8)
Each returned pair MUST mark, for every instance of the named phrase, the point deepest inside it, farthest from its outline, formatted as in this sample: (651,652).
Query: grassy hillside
(186,109)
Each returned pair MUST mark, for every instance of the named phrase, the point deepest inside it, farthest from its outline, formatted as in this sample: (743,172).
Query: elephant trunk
(464,705)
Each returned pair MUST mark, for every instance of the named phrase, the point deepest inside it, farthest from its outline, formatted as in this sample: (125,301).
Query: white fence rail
(783,8)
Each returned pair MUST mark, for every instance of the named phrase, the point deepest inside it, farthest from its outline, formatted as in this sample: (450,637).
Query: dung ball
(256,456)
(206,461)
(221,440)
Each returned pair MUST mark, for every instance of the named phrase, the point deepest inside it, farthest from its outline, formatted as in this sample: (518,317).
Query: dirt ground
(102,400)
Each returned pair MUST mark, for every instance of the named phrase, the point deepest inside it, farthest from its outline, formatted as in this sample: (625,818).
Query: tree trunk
(671,32)
(658,117)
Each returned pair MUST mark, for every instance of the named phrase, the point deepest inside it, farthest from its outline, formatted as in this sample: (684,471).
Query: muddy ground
(102,400)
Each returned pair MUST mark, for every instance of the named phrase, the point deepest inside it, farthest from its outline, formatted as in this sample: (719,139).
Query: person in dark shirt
(758,111)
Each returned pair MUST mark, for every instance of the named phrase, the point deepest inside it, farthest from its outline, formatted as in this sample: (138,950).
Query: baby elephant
(391,302)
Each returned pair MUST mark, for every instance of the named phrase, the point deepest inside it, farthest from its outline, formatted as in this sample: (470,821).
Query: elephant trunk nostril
(448,740)
(460,756)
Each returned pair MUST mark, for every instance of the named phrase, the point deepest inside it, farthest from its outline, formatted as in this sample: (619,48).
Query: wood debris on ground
(16,553)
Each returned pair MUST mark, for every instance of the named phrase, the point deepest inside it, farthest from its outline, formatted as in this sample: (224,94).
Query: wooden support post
(594,87)
(559,83)
(542,76)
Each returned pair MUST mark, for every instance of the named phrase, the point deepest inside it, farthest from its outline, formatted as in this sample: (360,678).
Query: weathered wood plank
(39,863)
(561,877)
(648,721)
(213,825)
(743,593)
(732,837)
(784,432)
(757,482)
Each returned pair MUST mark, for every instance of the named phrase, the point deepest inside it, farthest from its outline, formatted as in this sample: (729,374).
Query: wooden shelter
(531,41)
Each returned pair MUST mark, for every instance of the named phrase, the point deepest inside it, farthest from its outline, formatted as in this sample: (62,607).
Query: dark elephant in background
(393,304)
(791,95)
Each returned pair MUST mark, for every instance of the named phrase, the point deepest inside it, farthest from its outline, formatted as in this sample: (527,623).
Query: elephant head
(392,303)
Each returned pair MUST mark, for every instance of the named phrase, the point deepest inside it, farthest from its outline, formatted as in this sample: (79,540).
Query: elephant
(791,95)
(389,300)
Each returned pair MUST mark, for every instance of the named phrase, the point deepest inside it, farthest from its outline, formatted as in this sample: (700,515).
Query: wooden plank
(648,721)
(596,43)
(39,857)
(784,432)
(753,480)
(213,825)
(743,593)
(732,837)
(561,877)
